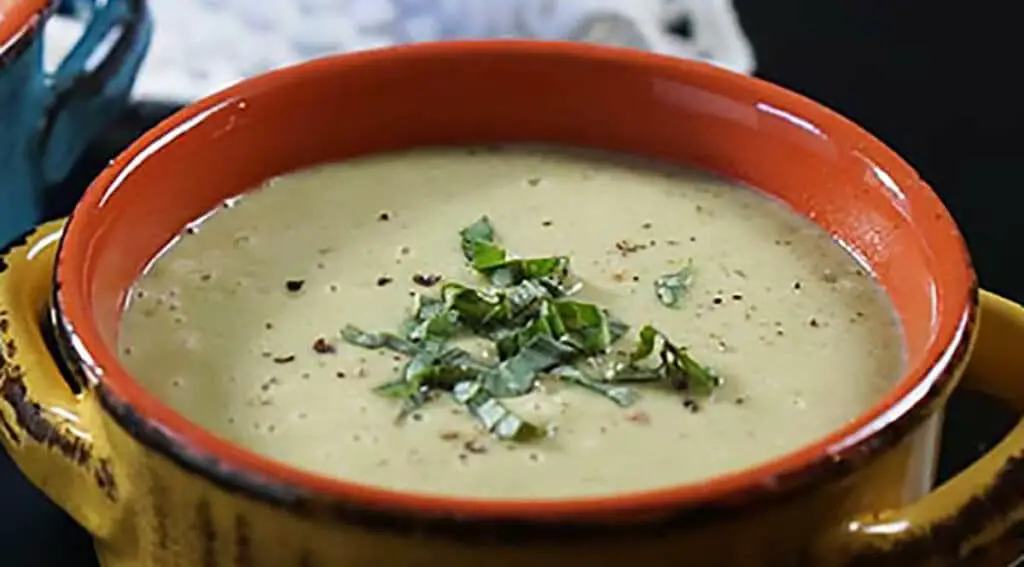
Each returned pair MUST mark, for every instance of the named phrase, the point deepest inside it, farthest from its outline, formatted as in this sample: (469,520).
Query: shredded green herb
(354,335)
(624,396)
(671,288)
(584,326)
(537,330)
(480,232)
(503,270)
(676,368)
(495,417)
(516,375)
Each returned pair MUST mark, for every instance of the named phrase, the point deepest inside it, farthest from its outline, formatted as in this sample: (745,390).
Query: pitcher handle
(84,94)
(53,430)
(972,513)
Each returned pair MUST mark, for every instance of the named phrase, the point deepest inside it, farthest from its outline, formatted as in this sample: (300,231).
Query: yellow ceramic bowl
(157,490)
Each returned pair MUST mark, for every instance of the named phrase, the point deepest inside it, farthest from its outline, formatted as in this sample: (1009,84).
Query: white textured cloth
(204,45)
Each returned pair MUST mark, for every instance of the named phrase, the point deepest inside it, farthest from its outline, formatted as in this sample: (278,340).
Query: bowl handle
(972,514)
(51,428)
(92,83)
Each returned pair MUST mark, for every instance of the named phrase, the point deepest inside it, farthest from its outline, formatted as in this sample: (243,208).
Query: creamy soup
(236,325)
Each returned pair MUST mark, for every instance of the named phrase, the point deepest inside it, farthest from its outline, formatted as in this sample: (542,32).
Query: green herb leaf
(645,343)
(586,326)
(479,232)
(676,367)
(524,300)
(493,261)
(356,336)
(413,396)
(621,395)
(456,356)
(494,416)
(616,328)
(583,326)
(397,389)
(426,307)
(488,256)
(685,373)
(443,376)
(442,326)
(536,268)
(476,309)
(517,375)
(421,325)
(427,371)
(440,369)
(490,312)
(671,288)
(552,320)
(509,343)
(633,373)
(552,271)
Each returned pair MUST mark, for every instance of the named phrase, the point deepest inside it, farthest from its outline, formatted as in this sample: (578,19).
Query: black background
(934,81)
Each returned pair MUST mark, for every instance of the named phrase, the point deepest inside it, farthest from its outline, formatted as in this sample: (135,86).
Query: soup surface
(236,325)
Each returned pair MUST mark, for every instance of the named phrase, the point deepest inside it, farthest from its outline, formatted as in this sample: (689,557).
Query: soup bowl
(157,489)
(48,118)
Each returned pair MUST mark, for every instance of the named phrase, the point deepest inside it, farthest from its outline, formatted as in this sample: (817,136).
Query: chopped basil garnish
(398,389)
(537,329)
(553,271)
(410,394)
(516,375)
(354,335)
(585,326)
(645,344)
(479,233)
(676,367)
(493,261)
(624,396)
(495,417)
(671,288)
(616,328)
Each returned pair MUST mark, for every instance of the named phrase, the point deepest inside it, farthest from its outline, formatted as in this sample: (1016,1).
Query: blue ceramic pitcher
(47,119)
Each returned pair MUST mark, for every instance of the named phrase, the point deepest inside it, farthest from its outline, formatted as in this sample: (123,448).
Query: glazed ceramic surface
(46,119)
(157,490)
